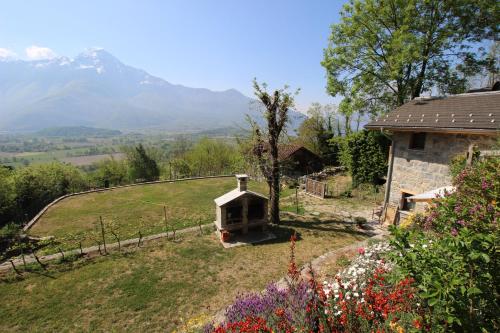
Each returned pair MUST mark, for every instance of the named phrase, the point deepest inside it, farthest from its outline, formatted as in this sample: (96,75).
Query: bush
(454,257)
(7,196)
(364,154)
(110,172)
(37,185)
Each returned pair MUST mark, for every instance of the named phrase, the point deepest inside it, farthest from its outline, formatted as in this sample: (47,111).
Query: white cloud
(6,53)
(38,53)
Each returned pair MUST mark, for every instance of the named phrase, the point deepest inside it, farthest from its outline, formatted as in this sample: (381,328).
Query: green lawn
(163,284)
(137,208)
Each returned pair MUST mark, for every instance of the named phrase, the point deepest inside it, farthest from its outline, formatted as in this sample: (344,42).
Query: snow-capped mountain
(96,89)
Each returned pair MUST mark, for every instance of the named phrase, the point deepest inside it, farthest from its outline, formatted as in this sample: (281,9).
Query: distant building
(297,160)
(427,133)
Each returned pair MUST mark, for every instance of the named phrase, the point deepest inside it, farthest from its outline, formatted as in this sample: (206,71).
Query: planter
(225,235)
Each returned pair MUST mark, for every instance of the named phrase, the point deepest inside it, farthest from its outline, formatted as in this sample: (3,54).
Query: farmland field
(90,159)
(138,208)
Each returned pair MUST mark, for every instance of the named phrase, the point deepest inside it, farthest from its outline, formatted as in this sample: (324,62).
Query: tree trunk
(420,81)
(274,211)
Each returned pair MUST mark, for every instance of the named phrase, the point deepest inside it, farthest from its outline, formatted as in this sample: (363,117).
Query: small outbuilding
(296,160)
(241,209)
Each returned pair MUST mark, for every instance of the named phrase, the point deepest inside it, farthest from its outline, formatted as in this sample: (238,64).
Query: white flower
(424,246)
(356,295)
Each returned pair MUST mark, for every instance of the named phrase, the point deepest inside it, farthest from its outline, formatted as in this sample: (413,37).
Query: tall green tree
(276,106)
(316,130)
(365,155)
(142,165)
(387,52)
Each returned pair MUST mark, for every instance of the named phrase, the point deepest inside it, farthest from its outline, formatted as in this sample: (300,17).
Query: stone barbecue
(241,209)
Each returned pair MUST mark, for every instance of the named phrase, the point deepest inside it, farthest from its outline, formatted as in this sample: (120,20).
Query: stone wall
(423,170)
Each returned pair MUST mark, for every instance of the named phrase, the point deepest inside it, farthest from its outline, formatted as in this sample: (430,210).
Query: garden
(436,274)
(161,285)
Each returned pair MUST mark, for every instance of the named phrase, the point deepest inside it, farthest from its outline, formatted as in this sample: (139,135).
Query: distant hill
(95,89)
(74,131)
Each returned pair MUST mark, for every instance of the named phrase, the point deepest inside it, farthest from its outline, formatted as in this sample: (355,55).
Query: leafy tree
(315,132)
(365,155)
(214,157)
(142,165)
(386,52)
(276,106)
(111,171)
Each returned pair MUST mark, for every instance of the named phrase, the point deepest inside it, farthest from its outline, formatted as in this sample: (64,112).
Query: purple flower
(293,300)
(454,232)
(461,222)
(485,184)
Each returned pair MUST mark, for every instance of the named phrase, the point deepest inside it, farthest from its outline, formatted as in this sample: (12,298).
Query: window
(417,141)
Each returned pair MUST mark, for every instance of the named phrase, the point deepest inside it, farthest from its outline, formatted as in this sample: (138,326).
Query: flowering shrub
(363,265)
(361,299)
(453,257)
(380,305)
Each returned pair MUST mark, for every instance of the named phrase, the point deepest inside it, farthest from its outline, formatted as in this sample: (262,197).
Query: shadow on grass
(287,228)
(329,226)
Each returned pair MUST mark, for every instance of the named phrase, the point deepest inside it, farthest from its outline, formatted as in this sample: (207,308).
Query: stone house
(427,133)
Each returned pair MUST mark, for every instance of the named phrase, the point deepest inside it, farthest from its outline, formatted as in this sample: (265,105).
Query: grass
(157,287)
(341,190)
(138,208)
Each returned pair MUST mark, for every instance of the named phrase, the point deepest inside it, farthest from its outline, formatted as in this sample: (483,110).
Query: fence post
(14,267)
(102,233)
(165,214)
(297,199)
(140,237)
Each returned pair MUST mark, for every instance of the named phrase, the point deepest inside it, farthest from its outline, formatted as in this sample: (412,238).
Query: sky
(214,44)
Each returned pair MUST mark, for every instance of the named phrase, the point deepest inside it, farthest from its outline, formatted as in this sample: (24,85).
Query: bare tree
(276,104)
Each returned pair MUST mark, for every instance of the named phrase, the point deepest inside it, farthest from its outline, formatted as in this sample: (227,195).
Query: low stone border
(40,214)
(92,250)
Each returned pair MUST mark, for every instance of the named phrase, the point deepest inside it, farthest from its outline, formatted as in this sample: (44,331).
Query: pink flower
(361,250)
(454,232)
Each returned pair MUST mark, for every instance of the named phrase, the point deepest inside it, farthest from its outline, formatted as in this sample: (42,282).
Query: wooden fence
(316,188)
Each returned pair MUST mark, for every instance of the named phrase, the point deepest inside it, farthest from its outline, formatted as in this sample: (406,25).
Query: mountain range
(96,89)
